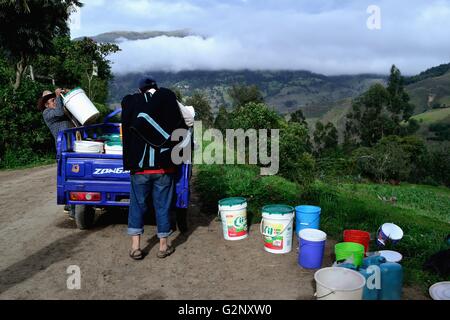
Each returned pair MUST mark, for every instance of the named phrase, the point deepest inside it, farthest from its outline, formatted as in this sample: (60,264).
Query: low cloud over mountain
(324,36)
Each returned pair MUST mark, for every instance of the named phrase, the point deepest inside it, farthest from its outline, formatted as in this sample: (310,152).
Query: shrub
(393,158)
(244,181)
(335,164)
(21,124)
(255,116)
(435,167)
(383,163)
(104,111)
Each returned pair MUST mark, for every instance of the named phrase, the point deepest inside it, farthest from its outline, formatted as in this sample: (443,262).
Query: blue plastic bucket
(306,217)
(312,248)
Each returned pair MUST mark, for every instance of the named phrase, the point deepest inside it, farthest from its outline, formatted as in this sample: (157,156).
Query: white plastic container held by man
(80,106)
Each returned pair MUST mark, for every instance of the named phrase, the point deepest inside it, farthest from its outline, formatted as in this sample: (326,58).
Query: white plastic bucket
(389,231)
(88,147)
(79,105)
(277,228)
(233,213)
(339,284)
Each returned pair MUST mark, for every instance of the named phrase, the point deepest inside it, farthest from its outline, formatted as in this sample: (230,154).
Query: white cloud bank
(329,37)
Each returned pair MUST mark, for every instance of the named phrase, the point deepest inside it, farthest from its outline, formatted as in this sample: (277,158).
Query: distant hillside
(425,95)
(118,36)
(435,125)
(434,116)
(285,91)
(430,73)
(335,113)
(430,92)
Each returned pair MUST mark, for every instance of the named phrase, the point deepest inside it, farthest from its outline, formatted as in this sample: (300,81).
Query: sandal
(165,253)
(136,254)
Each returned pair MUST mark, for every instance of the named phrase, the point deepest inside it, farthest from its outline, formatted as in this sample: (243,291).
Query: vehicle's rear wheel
(84,216)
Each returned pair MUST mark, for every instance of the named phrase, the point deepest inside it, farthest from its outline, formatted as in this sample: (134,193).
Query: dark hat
(46,95)
(147,82)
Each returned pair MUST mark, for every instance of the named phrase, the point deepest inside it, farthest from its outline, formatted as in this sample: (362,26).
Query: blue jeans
(160,187)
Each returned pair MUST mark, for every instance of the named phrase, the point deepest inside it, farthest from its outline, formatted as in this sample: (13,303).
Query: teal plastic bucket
(307,217)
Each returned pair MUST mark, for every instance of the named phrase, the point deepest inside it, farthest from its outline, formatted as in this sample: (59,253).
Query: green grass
(433,116)
(421,211)
(424,200)
(13,160)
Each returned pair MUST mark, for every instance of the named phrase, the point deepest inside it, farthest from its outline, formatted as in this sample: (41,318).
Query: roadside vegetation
(35,55)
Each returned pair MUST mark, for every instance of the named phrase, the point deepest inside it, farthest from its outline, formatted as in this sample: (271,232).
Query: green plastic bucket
(349,250)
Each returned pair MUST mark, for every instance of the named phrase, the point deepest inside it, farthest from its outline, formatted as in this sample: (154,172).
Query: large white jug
(79,105)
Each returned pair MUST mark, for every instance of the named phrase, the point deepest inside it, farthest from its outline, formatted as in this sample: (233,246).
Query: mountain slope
(424,94)
(434,124)
(430,91)
(285,91)
(430,73)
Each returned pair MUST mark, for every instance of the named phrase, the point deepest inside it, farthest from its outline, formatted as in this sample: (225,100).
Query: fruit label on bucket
(273,239)
(237,226)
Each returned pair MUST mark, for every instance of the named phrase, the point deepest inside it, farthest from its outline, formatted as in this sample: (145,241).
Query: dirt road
(38,243)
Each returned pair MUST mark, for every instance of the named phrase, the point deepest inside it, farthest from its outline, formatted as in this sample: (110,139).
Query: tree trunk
(20,68)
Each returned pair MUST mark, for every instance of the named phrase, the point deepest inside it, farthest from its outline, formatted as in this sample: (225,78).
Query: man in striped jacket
(148,121)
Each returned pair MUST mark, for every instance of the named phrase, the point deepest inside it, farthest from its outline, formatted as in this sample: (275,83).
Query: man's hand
(60,91)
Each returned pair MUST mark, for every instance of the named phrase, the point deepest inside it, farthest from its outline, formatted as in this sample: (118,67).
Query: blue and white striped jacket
(148,122)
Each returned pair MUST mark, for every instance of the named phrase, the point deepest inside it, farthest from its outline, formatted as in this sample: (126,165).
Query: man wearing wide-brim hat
(51,106)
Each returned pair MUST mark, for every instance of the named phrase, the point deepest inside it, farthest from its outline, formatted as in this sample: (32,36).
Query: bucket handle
(329,294)
(272,236)
(307,224)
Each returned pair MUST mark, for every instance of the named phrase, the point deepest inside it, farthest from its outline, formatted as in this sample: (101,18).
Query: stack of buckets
(341,283)
(390,275)
(354,247)
(311,239)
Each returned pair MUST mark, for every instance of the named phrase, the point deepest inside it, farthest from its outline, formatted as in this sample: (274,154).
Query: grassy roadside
(15,163)
(421,211)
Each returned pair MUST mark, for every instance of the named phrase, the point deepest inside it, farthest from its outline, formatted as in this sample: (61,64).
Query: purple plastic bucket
(312,248)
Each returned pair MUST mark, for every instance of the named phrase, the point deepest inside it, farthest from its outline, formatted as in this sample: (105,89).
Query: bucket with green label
(233,213)
(277,228)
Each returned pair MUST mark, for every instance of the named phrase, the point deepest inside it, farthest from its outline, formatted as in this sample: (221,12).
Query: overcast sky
(323,36)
